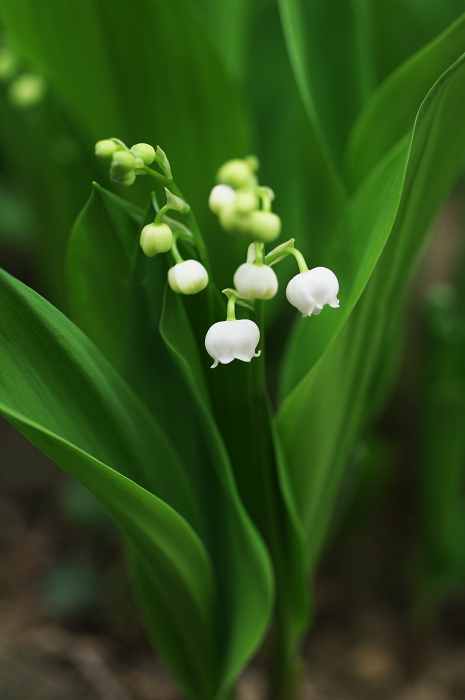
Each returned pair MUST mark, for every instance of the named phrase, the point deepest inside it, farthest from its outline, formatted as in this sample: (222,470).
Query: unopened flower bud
(236,173)
(156,238)
(188,277)
(230,340)
(263,226)
(246,201)
(256,281)
(232,220)
(105,149)
(123,162)
(253,163)
(310,291)
(124,179)
(221,196)
(144,151)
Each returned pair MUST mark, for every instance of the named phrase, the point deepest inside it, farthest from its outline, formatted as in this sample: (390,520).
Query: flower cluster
(126,162)
(243,207)
(235,199)
(161,236)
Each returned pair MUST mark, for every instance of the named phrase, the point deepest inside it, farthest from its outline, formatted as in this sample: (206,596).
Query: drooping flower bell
(188,277)
(156,238)
(256,281)
(221,196)
(232,340)
(310,291)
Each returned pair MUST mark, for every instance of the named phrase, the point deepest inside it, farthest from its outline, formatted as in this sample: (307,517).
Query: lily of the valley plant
(217,430)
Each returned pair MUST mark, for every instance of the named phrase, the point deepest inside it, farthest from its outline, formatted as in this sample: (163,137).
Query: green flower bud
(123,162)
(188,277)
(123,179)
(105,149)
(220,196)
(246,201)
(263,226)
(232,220)
(156,238)
(252,162)
(236,173)
(144,151)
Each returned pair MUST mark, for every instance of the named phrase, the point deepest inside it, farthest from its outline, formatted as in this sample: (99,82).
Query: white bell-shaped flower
(310,291)
(256,281)
(188,277)
(220,196)
(232,340)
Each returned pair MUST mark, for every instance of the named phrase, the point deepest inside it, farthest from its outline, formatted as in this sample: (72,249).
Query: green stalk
(289,251)
(190,218)
(286,666)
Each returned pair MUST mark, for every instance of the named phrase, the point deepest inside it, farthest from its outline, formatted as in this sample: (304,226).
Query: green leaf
(61,393)
(176,203)
(319,419)
(294,160)
(241,561)
(117,295)
(391,110)
(100,258)
(358,243)
(329,45)
(402,28)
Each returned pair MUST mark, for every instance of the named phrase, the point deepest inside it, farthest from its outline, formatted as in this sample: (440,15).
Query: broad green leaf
(61,393)
(358,243)
(173,557)
(137,284)
(293,161)
(329,45)
(72,391)
(321,416)
(245,581)
(390,113)
(117,297)
(403,27)
(100,258)
(116,80)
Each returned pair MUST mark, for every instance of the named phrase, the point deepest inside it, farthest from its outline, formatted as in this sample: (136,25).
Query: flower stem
(289,251)
(258,246)
(174,250)
(231,309)
(191,220)
(159,217)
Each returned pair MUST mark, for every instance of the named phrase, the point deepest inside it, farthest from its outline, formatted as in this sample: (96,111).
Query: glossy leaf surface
(61,393)
(320,417)
(390,113)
